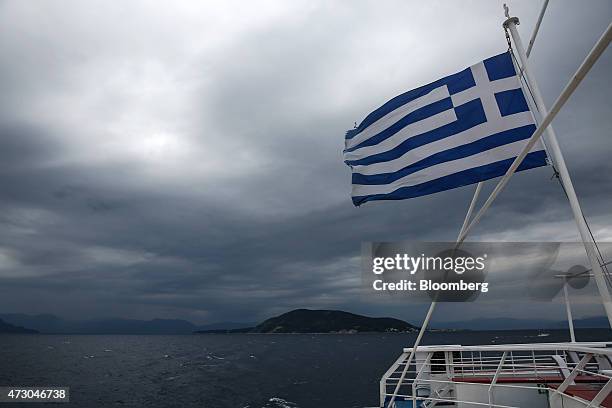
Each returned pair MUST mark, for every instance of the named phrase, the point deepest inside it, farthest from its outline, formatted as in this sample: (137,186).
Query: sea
(225,370)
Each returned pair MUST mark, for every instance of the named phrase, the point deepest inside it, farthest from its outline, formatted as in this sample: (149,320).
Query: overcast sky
(184,159)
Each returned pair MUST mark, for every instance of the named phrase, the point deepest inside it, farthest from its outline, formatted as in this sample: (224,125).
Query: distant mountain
(296,321)
(131,326)
(9,328)
(46,323)
(330,321)
(226,331)
(517,324)
(225,326)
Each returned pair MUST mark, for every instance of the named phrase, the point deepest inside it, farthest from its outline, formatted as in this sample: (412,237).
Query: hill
(330,321)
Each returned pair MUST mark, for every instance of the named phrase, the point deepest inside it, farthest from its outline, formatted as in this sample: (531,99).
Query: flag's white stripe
(467,136)
(414,129)
(444,169)
(435,95)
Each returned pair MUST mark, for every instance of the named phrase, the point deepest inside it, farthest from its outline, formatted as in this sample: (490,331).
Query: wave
(276,402)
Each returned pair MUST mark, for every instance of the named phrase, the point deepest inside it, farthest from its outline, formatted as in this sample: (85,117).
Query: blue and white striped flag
(459,130)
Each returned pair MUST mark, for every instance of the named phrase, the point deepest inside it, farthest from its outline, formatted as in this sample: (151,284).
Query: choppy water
(217,371)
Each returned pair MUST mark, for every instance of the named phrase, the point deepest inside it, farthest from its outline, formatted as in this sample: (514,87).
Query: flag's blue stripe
(415,116)
(479,146)
(463,178)
(455,83)
(468,115)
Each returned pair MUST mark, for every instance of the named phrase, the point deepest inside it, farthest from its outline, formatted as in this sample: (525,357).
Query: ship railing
(551,368)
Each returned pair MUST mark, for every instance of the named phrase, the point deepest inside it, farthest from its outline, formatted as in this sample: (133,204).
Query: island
(323,321)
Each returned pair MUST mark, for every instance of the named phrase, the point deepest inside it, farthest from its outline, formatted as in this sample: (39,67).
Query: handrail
(579,347)
(526,364)
(484,385)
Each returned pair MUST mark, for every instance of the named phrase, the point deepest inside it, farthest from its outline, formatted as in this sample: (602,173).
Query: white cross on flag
(459,130)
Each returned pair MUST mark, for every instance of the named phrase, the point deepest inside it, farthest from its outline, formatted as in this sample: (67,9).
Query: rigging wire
(602,263)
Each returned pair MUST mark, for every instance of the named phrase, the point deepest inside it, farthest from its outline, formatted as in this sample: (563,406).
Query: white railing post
(494,380)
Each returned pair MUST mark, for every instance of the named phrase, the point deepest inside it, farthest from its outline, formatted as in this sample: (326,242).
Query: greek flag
(459,130)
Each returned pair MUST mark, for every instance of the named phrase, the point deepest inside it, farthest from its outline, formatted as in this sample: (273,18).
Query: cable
(599,255)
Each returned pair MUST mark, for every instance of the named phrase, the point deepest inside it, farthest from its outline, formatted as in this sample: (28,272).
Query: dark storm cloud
(187,163)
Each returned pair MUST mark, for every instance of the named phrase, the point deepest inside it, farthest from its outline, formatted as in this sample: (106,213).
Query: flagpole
(557,158)
(470,210)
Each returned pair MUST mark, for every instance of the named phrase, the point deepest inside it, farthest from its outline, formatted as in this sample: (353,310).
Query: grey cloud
(187,163)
